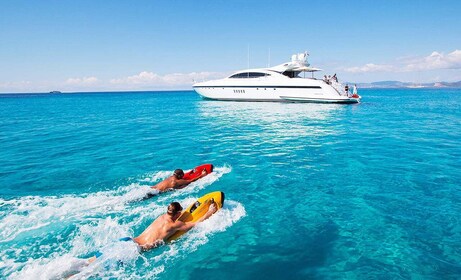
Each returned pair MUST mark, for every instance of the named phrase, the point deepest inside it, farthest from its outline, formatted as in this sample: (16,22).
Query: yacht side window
(246,75)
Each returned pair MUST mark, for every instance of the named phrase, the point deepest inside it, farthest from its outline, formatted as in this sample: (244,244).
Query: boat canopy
(307,69)
(298,64)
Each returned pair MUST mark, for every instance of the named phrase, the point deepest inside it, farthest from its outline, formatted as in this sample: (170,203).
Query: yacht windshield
(291,74)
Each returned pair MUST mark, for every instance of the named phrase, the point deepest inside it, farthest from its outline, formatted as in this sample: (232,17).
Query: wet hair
(174,208)
(178,173)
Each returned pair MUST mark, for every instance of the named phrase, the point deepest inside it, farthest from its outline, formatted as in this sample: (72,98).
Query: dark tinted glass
(248,75)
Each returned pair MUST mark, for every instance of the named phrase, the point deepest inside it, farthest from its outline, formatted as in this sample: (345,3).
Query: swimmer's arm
(188,225)
(184,226)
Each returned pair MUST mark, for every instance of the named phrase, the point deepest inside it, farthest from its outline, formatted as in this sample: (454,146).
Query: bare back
(157,233)
(168,183)
(171,183)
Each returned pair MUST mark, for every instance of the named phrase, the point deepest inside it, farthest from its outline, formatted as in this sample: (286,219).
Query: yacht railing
(338,87)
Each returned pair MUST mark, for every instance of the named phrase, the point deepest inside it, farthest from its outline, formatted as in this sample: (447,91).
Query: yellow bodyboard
(199,208)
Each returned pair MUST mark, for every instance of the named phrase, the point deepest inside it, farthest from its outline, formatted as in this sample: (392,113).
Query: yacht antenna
(248,60)
(269,59)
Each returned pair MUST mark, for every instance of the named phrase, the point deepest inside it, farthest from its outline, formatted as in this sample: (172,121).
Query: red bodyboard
(197,171)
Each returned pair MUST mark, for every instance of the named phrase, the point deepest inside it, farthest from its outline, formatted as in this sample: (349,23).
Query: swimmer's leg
(76,266)
(98,254)
(93,258)
(151,193)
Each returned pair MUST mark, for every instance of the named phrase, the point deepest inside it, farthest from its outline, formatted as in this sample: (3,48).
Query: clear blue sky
(102,45)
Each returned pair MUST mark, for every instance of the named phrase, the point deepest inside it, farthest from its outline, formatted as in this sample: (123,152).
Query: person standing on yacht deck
(346,89)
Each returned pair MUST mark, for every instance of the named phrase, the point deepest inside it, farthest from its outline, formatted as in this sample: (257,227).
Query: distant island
(398,84)
(55,91)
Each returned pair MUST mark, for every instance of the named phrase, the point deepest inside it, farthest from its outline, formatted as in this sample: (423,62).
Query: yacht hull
(312,94)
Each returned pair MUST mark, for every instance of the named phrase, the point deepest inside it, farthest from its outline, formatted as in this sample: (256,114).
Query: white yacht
(278,83)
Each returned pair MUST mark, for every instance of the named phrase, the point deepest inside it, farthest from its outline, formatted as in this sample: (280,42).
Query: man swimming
(166,225)
(176,181)
(158,232)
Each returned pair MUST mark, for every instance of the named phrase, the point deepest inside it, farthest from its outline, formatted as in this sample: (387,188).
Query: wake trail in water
(119,258)
(32,213)
(59,228)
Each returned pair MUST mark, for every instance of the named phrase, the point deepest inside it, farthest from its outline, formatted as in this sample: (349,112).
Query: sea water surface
(313,191)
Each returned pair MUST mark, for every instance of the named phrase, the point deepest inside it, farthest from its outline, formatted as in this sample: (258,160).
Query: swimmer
(166,225)
(156,234)
(176,181)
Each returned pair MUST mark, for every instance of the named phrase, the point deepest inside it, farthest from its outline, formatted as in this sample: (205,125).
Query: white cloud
(21,86)
(143,81)
(434,61)
(370,67)
(82,81)
(145,78)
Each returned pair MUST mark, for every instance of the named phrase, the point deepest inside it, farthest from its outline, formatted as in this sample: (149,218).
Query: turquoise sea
(313,191)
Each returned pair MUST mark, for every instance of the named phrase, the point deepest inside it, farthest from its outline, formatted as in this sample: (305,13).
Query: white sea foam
(157,176)
(58,268)
(118,256)
(35,212)
(219,222)
(93,222)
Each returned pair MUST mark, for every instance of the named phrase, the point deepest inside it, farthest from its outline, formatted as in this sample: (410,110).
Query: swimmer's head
(178,173)
(174,208)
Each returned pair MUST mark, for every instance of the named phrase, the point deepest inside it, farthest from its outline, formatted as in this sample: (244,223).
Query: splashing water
(50,237)
(33,213)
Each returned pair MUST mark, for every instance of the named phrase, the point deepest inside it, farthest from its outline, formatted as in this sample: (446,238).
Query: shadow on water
(284,261)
